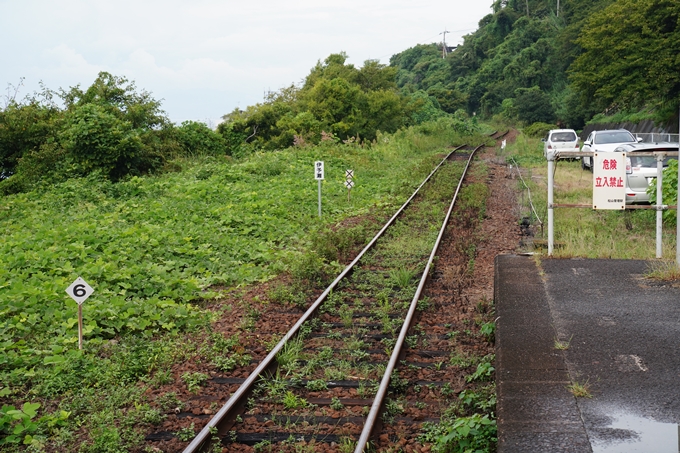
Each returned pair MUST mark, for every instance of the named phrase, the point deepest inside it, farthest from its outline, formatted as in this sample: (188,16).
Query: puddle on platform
(629,433)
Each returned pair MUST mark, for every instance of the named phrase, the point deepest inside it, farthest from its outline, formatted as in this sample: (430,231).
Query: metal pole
(319,198)
(677,194)
(659,204)
(551,214)
(80,326)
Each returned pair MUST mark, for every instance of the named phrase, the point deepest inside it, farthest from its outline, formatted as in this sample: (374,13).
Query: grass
(580,390)
(664,271)
(562,345)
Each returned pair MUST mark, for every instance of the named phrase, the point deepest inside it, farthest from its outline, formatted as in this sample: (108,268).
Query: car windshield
(647,161)
(614,137)
(563,137)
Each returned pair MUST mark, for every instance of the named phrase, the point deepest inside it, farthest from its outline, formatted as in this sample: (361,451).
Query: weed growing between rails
(460,319)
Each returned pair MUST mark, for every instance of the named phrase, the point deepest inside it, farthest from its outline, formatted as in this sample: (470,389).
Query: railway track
(375,358)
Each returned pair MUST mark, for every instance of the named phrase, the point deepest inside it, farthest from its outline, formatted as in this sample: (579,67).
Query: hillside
(528,62)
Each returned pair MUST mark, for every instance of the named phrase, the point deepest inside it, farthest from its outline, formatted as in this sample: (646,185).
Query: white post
(677,202)
(318,175)
(80,326)
(319,198)
(551,218)
(659,204)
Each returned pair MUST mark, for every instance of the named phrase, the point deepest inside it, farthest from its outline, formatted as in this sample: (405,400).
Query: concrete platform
(623,332)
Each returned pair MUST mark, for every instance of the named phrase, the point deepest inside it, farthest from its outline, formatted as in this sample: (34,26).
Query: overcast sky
(203,58)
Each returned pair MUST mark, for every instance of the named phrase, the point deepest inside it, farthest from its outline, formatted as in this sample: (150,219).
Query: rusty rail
(373,418)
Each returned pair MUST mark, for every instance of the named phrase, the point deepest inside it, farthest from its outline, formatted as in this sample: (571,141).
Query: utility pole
(558,8)
(444,42)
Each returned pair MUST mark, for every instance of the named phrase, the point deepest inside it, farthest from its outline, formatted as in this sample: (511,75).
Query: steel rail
(225,417)
(378,402)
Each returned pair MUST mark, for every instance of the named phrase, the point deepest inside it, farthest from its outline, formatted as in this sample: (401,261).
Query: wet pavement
(620,337)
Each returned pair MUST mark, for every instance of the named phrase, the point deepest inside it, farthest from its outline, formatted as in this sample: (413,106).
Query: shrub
(197,139)
(539,130)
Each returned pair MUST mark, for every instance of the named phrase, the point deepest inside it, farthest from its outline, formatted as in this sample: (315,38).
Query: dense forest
(528,62)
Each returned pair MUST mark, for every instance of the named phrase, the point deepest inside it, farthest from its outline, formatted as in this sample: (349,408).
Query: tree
(110,128)
(533,106)
(630,55)
(95,139)
(24,126)
(335,97)
(197,139)
(120,97)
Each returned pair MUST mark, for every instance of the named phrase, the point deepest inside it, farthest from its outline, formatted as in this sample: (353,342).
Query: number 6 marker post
(80,291)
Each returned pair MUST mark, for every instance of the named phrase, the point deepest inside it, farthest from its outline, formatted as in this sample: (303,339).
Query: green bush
(539,130)
(95,139)
(24,127)
(197,139)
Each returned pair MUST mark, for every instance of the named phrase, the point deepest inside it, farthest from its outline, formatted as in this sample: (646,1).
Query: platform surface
(621,331)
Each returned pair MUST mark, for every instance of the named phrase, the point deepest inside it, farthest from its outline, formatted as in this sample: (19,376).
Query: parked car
(560,140)
(641,170)
(604,141)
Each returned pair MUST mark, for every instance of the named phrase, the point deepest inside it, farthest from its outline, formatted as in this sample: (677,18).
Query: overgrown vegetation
(111,130)
(157,248)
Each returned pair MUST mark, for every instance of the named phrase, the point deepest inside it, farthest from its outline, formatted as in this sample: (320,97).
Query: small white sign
(318,170)
(609,181)
(79,290)
(349,174)
(349,183)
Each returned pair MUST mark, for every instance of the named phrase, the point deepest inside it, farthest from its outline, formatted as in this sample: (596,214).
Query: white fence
(657,137)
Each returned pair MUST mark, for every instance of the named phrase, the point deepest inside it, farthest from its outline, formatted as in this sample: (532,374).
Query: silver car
(641,170)
(604,141)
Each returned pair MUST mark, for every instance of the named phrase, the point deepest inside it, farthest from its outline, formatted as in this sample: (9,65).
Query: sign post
(609,173)
(80,291)
(349,183)
(318,175)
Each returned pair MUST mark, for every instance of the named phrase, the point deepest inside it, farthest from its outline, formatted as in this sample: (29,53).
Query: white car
(560,140)
(604,141)
(641,170)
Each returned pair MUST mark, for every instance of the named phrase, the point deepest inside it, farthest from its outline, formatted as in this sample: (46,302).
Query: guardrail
(656,137)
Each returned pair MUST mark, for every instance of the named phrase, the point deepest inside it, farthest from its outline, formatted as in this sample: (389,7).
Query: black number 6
(79,290)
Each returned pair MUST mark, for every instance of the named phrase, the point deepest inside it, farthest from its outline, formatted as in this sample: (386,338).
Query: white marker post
(349,183)
(318,175)
(80,291)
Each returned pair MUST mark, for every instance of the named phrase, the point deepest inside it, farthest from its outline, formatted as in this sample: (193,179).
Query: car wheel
(583,163)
